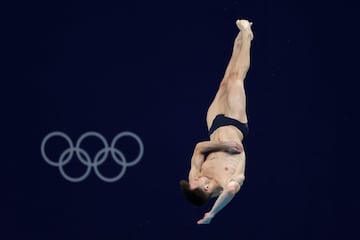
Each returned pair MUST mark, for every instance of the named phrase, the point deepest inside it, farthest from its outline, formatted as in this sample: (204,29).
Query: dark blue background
(153,67)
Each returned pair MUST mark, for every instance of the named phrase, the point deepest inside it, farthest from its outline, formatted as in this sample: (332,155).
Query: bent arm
(202,148)
(212,146)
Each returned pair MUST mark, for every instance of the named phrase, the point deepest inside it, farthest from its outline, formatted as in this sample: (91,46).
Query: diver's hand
(233,147)
(206,219)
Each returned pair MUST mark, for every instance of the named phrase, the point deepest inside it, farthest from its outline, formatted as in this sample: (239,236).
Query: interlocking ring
(99,158)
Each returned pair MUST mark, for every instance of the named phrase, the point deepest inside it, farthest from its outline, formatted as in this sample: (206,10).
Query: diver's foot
(245,27)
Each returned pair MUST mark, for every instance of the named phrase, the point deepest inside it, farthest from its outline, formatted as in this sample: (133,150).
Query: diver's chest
(222,166)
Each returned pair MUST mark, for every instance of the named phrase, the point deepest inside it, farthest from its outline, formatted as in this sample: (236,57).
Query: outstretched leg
(230,98)
(240,59)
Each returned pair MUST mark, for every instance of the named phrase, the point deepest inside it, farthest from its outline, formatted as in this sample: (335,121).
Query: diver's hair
(197,197)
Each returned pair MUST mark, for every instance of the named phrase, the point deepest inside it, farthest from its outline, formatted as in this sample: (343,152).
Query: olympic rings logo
(99,158)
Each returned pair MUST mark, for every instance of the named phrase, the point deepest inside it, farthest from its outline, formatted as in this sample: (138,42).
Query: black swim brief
(220,121)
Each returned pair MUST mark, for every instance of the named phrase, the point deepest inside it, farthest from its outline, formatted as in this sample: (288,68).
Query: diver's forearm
(224,198)
(212,146)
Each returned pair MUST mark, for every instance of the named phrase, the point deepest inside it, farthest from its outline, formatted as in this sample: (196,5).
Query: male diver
(218,165)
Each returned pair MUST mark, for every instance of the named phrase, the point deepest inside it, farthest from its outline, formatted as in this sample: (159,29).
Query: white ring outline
(67,155)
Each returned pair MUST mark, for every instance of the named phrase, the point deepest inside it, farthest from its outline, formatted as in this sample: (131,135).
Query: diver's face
(199,182)
(203,183)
